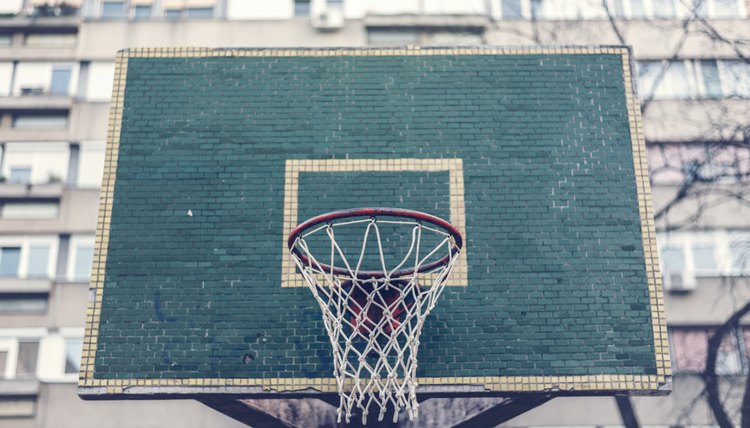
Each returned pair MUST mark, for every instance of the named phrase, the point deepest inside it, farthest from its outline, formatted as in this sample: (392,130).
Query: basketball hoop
(374,307)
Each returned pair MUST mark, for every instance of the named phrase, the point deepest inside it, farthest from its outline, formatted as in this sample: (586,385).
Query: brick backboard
(536,154)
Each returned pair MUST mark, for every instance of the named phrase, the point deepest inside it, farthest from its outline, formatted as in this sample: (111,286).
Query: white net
(374,316)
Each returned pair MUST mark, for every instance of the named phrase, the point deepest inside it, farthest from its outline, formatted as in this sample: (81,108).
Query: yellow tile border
(106,198)
(197,52)
(648,230)
(500,384)
(293,167)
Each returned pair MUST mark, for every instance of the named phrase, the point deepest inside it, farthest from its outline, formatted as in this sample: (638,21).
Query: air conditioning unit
(328,19)
(679,281)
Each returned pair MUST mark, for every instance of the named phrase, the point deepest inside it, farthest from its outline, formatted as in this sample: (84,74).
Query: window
(690,351)
(670,80)
(620,9)
(81,258)
(113,10)
(740,253)
(637,9)
(28,354)
(27,256)
(6,40)
(22,303)
(43,78)
(673,258)
(537,10)
(73,351)
(30,210)
(735,78)
(200,12)
(84,258)
(9,261)
(617,8)
(173,13)
(38,262)
(40,121)
(676,276)
(20,174)
(51,40)
(700,8)
(36,163)
(19,353)
(726,9)
(60,80)
(142,12)
(511,9)
(711,82)
(693,79)
(301,7)
(703,254)
(3,361)
(664,8)
(672,164)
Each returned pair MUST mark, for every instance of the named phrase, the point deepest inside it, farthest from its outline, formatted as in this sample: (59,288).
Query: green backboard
(536,155)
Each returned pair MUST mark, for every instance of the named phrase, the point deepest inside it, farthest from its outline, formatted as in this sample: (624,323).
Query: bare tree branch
(710,377)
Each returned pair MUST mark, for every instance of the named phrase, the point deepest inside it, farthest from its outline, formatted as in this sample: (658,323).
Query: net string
(374,324)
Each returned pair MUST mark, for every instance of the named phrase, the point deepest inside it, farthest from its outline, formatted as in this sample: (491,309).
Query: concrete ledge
(459,21)
(18,285)
(36,102)
(13,190)
(42,22)
(19,387)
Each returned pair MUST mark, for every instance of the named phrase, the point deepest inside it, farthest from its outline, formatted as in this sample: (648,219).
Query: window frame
(550,11)
(69,69)
(721,240)
(10,338)
(297,9)
(123,9)
(73,376)
(25,243)
(3,254)
(134,12)
(696,79)
(37,156)
(189,13)
(75,242)
(37,204)
(45,127)
(67,40)
(741,365)
(51,368)
(9,345)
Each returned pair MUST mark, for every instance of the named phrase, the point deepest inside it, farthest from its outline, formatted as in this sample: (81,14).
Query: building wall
(57,129)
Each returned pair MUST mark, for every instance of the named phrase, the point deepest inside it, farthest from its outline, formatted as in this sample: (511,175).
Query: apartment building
(56,69)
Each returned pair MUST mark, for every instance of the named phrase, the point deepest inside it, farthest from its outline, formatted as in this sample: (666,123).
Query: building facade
(56,71)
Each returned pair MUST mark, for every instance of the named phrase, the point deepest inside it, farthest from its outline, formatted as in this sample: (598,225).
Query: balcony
(31,191)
